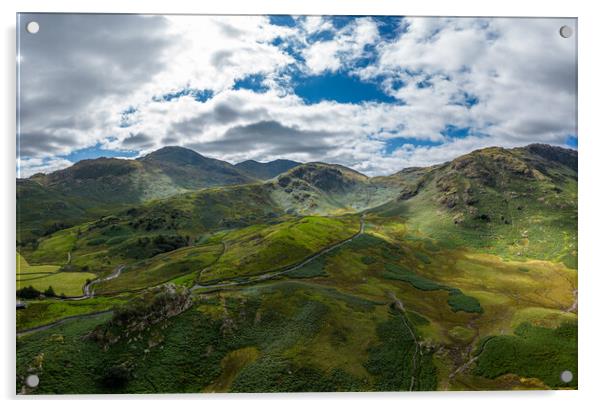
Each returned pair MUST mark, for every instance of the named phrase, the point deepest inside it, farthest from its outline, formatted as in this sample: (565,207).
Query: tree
(49,292)
(28,292)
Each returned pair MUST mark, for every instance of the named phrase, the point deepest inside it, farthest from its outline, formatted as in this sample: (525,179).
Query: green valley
(292,277)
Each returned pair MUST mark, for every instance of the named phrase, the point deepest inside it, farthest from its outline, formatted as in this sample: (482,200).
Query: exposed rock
(145,311)
(566,157)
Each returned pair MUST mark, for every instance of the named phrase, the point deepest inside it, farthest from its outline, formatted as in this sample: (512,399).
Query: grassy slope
(325,332)
(130,236)
(497,201)
(162,268)
(264,248)
(41,312)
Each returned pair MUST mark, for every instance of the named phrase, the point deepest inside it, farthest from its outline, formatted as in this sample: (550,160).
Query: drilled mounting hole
(566,376)
(33,27)
(566,31)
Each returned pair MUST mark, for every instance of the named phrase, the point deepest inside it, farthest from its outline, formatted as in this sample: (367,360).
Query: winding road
(88,292)
(270,275)
(61,321)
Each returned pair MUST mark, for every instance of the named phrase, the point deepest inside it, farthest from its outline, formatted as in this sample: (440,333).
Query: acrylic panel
(295,203)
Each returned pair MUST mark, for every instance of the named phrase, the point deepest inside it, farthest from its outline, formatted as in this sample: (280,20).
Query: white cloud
(30,166)
(346,46)
(520,70)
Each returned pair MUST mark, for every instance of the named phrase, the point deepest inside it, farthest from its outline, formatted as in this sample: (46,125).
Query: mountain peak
(175,154)
(326,177)
(567,157)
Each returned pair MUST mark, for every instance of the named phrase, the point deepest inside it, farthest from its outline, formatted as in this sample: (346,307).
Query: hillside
(320,188)
(94,187)
(516,202)
(189,170)
(265,171)
(457,276)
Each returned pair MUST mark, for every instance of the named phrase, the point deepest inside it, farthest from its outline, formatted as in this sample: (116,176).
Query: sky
(376,94)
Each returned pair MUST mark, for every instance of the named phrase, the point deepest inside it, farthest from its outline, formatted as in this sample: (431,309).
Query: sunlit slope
(141,232)
(50,279)
(520,203)
(319,188)
(261,248)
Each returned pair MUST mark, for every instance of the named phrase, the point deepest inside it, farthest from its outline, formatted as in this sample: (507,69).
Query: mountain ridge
(92,187)
(267,170)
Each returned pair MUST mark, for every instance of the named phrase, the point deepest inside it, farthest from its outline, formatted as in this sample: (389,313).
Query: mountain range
(486,193)
(486,189)
(286,276)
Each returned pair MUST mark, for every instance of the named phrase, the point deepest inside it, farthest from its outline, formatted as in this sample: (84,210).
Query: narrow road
(61,321)
(88,292)
(270,275)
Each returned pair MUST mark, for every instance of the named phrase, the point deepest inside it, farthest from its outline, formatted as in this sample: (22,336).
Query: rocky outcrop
(152,307)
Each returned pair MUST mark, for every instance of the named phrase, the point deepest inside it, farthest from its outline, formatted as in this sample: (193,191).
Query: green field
(162,268)
(42,277)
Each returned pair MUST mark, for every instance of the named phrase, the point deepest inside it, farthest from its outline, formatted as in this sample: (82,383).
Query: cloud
(510,82)
(271,138)
(138,140)
(347,45)
(31,143)
(75,67)
(30,166)
(81,71)
(522,73)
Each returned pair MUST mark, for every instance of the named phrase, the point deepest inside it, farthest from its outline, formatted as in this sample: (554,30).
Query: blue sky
(373,93)
(95,151)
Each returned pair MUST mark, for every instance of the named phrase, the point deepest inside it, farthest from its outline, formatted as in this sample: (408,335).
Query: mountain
(265,171)
(189,170)
(100,186)
(515,202)
(320,188)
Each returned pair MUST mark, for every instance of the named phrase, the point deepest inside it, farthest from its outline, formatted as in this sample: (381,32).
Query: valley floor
(347,303)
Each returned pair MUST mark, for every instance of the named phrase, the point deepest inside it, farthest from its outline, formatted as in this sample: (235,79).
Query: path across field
(270,275)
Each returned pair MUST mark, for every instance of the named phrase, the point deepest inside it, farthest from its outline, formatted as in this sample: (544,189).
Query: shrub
(461,302)
(28,292)
(368,260)
(532,351)
(49,292)
(96,241)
